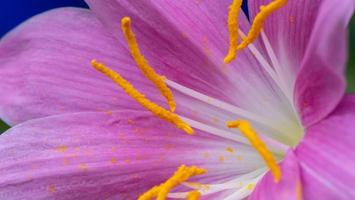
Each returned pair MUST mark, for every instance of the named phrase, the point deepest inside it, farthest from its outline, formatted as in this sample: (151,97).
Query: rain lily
(187,99)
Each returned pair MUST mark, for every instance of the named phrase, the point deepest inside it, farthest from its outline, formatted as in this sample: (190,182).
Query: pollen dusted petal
(143,64)
(30,163)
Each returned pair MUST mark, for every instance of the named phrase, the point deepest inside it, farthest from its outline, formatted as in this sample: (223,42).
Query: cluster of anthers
(184,172)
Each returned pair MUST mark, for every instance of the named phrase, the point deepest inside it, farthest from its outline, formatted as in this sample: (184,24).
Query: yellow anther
(299,193)
(233,28)
(259,20)
(180,176)
(246,129)
(141,99)
(194,195)
(143,64)
(150,194)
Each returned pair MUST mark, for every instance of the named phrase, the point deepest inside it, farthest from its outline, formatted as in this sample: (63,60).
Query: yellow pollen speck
(250,186)
(139,157)
(194,195)
(215,120)
(143,64)
(83,166)
(113,160)
(141,99)
(179,177)
(197,186)
(233,28)
(206,155)
(230,149)
(61,149)
(168,146)
(299,193)
(292,19)
(259,20)
(246,129)
(127,161)
(52,189)
(221,158)
(239,158)
(65,161)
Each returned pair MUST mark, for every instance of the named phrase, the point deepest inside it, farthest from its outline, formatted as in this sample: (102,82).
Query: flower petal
(186,41)
(320,84)
(326,155)
(101,156)
(171,37)
(289,30)
(288,188)
(309,41)
(45,67)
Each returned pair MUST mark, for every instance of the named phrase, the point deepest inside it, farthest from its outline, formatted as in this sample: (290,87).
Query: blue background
(13,12)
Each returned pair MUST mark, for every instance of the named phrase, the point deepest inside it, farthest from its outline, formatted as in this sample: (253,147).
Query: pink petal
(309,40)
(45,67)
(186,41)
(327,154)
(171,40)
(289,30)
(106,156)
(320,84)
(288,188)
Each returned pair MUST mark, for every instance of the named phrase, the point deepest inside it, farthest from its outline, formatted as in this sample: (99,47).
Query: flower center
(260,143)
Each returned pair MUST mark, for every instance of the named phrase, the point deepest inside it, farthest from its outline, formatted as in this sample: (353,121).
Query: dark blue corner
(13,12)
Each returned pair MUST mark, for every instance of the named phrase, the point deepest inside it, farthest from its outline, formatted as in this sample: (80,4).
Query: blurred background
(13,12)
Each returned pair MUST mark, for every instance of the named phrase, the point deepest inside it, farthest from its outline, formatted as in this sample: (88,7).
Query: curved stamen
(233,30)
(181,175)
(259,145)
(143,64)
(259,20)
(141,99)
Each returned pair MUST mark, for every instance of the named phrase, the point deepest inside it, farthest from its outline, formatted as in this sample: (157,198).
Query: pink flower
(77,135)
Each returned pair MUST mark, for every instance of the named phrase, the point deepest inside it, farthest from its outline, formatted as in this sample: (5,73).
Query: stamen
(233,27)
(259,20)
(246,129)
(194,195)
(143,64)
(180,176)
(141,99)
